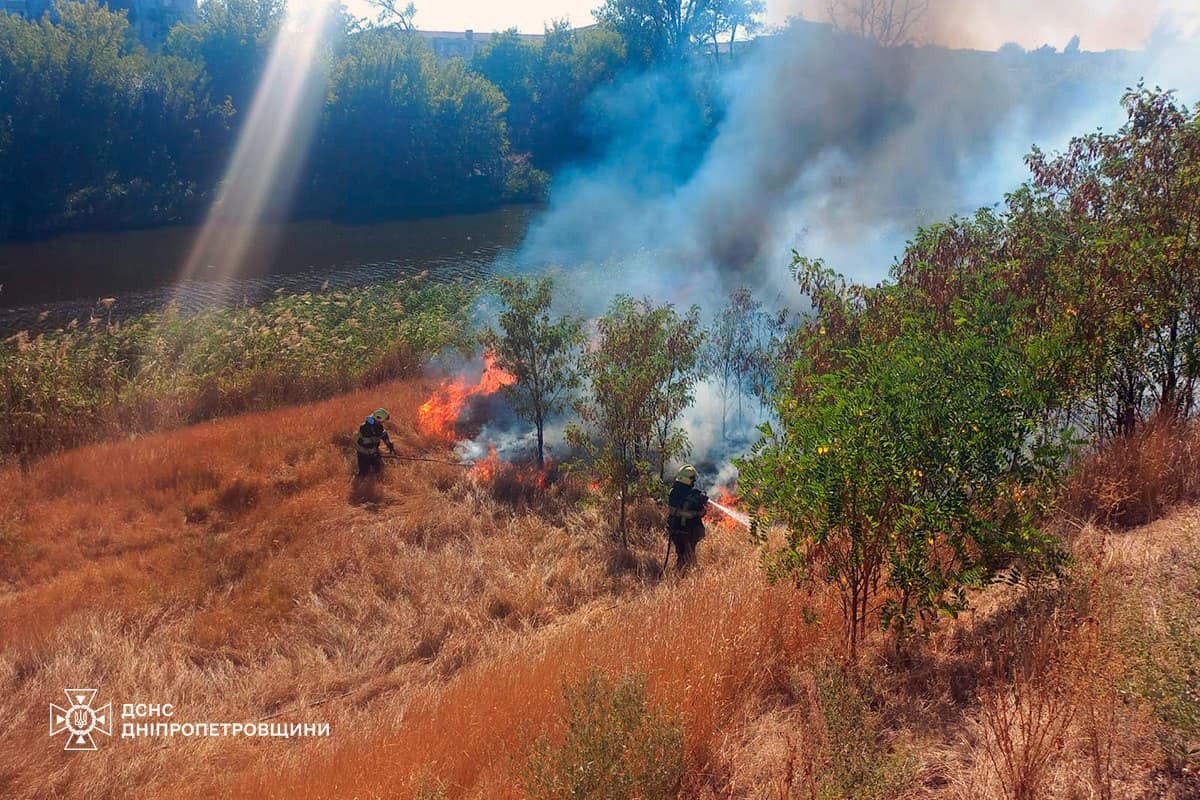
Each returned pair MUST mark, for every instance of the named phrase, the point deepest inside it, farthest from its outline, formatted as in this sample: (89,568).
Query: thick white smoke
(824,143)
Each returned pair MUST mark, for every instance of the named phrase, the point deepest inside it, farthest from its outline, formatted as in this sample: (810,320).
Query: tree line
(96,131)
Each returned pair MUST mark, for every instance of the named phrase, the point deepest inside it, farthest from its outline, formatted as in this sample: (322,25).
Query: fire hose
(397,457)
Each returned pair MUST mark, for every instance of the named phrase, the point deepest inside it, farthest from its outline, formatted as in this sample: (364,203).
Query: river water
(46,284)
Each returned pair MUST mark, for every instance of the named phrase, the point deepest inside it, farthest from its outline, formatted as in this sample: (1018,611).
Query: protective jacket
(686,505)
(370,436)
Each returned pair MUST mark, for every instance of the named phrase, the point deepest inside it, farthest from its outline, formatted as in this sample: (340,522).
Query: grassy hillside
(231,569)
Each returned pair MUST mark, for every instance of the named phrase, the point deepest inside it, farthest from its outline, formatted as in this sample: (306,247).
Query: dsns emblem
(80,719)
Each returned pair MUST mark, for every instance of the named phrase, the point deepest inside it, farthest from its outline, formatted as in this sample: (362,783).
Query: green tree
(655,30)
(232,39)
(678,366)
(726,18)
(1108,232)
(641,375)
(405,133)
(742,348)
(93,130)
(547,84)
(908,461)
(539,351)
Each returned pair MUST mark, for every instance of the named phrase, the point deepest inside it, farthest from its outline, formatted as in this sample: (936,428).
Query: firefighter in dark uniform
(686,507)
(371,434)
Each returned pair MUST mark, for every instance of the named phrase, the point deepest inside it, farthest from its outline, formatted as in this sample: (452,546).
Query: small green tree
(536,349)
(641,373)
(913,469)
(677,364)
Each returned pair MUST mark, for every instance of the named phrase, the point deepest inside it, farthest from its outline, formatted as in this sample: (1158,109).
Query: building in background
(463,44)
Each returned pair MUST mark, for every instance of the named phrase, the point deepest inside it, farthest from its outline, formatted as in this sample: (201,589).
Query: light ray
(270,151)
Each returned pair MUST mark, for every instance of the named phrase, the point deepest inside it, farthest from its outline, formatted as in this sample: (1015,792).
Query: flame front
(727,496)
(726,501)
(437,416)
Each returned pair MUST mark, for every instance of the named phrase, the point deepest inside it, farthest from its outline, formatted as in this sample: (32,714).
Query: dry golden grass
(433,619)
(708,645)
(1137,479)
(231,569)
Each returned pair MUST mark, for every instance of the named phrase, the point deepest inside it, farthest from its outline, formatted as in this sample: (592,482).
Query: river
(46,284)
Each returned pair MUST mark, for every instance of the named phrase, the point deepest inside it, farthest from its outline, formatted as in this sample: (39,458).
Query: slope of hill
(230,570)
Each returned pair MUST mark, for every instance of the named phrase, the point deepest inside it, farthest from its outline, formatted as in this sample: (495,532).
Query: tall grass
(230,568)
(102,378)
(707,645)
(1138,478)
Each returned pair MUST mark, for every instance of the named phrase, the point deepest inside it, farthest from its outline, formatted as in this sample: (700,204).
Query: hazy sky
(968,23)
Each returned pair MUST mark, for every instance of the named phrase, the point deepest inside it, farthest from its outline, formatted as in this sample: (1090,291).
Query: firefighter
(686,507)
(370,435)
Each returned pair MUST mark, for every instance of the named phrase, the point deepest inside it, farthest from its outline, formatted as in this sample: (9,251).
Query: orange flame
(489,468)
(437,416)
(727,496)
(730,517)
(485,469)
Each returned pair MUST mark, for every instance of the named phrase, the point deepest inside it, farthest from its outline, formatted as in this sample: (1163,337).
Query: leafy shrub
(913,469)
(1165,669)
(616,746)
(848,757)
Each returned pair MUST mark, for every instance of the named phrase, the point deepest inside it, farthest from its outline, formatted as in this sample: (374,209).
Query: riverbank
(46,284)
(102,377)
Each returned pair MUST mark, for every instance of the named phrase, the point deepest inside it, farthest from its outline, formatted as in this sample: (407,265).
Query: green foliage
(641,373)
(656,30)
(908,460)
(141,151)
(922,431)
(59,389)
(1092,269)
(1106,233)
(728,18)
(538,351)
(853,760)
(1164,667)
(404,132)
(141,138)
(547,83)
(616,746)
(231,40)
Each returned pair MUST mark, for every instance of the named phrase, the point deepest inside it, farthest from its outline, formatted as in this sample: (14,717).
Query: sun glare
(260,178)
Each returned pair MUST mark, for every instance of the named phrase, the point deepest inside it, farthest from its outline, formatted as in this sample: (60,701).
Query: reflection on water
(44,285)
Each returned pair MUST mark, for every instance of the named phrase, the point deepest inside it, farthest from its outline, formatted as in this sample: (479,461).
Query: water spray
(736,516)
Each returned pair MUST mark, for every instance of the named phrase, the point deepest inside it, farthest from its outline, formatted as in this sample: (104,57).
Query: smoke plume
(821,142)
(826,143)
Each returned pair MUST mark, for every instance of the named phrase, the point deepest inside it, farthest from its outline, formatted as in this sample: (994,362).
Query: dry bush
(1137,479)
(1027,719)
